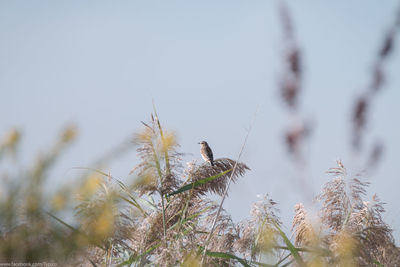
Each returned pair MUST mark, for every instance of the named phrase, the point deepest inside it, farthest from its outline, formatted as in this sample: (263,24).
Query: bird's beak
(199,143)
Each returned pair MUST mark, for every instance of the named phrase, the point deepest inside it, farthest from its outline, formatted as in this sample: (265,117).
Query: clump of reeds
(184,216)
(164,216)
(351,231)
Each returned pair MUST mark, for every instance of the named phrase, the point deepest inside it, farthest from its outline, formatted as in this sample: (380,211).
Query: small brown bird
(206,152)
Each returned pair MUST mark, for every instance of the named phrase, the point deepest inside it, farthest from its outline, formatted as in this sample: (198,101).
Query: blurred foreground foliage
(164,216)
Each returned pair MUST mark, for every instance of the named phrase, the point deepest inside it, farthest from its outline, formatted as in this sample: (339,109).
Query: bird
(206,152)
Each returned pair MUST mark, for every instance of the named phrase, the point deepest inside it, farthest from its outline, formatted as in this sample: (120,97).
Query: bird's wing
(209,153)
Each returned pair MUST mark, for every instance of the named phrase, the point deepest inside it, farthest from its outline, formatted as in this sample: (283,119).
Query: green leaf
(195,215)
(183,221)
(76,230)
(378,263)
(199,182)
(62,222)
(224,255)
(134,203)
(293,250)
(282,260)
(262,264)
(108,175)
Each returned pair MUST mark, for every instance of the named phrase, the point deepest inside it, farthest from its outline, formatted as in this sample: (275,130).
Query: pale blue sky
(207,65)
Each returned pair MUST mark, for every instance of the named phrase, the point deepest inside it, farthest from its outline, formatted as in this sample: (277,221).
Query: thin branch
(227,187)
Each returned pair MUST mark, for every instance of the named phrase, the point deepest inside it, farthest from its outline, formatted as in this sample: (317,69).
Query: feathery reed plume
(107,224)
(305,233)
(159,157)
(340,197)
(373,234)
(258,234)
(218,185)
(97,214)
(357,234)
(225,231)
(158,154)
